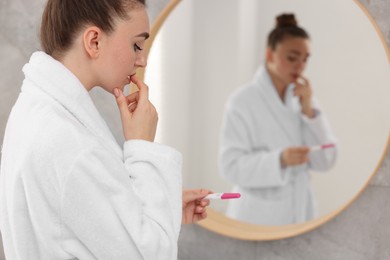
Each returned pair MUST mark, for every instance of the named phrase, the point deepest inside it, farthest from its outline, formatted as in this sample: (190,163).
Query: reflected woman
(268,130)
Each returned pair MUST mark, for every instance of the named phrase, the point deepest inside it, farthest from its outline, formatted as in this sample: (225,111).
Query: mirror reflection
(201,57)
(270,132)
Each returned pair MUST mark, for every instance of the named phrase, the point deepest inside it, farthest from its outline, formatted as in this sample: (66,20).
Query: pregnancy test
(321,147)
(223,196)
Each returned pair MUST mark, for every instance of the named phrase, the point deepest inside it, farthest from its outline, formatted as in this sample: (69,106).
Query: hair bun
(286,20)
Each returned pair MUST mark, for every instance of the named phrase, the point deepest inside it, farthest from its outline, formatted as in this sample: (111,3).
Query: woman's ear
(91,39)
(268,55)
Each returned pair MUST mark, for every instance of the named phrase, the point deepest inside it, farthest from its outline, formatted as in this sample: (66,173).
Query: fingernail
(116,92)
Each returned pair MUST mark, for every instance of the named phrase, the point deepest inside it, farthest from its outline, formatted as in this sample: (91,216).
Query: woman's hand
(139,116)
(304,91)
(295,155)
(194,205)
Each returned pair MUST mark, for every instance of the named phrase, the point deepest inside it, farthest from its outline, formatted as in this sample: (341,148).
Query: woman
(68,191)
(268,127)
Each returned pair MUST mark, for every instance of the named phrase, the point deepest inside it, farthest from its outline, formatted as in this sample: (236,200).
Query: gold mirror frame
(219,223)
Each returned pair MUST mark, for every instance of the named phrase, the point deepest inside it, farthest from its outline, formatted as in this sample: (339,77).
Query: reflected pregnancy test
(322,147)
(223,196)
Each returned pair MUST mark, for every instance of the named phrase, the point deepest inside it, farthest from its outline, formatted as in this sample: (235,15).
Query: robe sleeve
(317,131)
(124,210)
(240,163)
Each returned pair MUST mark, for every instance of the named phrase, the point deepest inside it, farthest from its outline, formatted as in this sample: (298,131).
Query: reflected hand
(194,205)
(304,91)
(139,116)
(295,155)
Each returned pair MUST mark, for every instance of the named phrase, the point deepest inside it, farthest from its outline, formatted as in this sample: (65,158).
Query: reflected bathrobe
(69,191)
(257,127)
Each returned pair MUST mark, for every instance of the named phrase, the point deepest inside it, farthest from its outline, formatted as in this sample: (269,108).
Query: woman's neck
(79,66)
(278,83)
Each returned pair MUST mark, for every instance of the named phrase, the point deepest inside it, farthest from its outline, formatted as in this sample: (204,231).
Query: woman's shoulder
(44,127)
(244,95)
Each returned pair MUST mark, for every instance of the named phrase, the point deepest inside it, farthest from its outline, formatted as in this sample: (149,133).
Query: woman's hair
(286,26)
(63,19)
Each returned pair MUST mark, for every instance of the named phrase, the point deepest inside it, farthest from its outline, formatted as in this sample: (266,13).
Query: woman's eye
(137,48)
(292,59)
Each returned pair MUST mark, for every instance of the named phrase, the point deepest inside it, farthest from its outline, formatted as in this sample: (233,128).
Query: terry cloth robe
(69,191)
(257,127)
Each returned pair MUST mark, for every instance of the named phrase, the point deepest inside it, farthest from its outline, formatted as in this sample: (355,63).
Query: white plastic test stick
(321,147)
(223,196)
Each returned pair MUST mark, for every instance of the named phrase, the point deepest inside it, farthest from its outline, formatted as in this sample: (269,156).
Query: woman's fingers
(143,88)
(199,209)
(295,155)
(301,85)
(302,81)
(132,107)
(300,154)
(121,102)
(196,195)
(139,116)
(134,97)
(124,103)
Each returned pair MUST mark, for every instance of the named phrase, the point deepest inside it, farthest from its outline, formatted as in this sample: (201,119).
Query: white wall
(170,92)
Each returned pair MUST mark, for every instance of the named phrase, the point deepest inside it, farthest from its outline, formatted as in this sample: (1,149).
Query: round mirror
(206,49)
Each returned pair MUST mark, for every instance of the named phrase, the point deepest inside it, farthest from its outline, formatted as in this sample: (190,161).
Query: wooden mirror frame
(218,222)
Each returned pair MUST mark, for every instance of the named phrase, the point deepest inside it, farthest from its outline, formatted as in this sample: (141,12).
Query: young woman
(68,191)
(268,128)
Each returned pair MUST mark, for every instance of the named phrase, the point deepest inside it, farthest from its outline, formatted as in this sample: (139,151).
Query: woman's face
(123,50)
(288,61)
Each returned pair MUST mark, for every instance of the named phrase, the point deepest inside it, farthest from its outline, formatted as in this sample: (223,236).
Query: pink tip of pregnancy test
(230,196)
(327,146)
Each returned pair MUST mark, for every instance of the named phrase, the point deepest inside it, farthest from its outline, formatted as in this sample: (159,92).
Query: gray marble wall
(360,232)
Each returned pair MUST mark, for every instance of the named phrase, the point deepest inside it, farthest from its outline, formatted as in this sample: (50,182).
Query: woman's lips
(129,77)
(295,76)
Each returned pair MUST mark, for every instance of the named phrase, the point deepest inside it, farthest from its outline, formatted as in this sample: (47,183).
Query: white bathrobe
(69,191)
(257,126)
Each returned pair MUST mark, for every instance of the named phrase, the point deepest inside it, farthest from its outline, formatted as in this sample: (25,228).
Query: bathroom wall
(360,232)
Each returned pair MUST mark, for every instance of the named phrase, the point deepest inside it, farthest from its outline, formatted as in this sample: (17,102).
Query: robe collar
(283,112)
(53,78)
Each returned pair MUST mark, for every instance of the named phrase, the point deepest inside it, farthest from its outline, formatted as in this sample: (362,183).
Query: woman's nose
(141,61)
(301,66)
